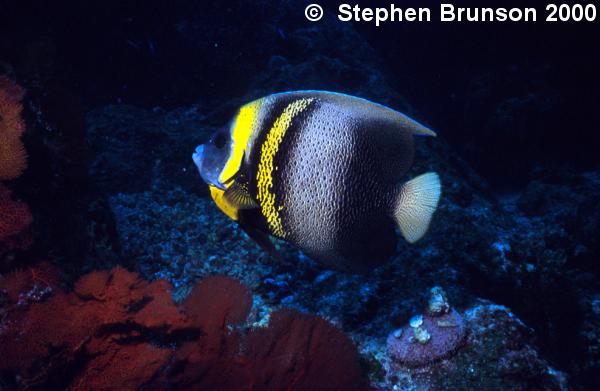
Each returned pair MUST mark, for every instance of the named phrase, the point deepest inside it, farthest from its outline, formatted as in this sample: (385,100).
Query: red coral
(295,351)
(117,331)
(213,362)
(302,352)
(111,322)
(43,274)
(122,367)
(217,301)
(18,345)
(93,285)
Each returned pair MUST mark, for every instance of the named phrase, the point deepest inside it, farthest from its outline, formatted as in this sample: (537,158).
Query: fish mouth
(197,156)
(210,176)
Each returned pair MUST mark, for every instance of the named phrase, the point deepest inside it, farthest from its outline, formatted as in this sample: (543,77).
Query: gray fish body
(338,181)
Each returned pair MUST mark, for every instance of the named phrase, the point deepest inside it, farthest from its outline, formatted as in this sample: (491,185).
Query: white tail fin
(416,202)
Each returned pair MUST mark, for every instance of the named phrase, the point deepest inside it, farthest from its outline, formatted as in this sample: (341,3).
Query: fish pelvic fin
(416,201)
(263,240)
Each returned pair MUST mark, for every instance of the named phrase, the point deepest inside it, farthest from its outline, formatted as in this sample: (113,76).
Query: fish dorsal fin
(238,194)
(414,127)
(369,109)
(415,204)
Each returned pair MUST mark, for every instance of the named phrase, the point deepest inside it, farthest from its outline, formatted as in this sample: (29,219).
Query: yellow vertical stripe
(264,176)
(241,131)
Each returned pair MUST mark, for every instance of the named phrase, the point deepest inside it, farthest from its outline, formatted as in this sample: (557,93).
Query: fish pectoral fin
(237,195)
(263,240)
(415,204)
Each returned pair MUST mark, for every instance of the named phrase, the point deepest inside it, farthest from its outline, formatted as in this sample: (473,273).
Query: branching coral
(13,159)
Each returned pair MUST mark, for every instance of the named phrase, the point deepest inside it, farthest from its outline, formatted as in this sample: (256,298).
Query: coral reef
(477,246)
(498,354)
(483,347)
(302,352)
(116,329)
(109,316)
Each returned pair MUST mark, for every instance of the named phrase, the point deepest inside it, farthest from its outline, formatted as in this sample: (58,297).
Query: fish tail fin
(415,203)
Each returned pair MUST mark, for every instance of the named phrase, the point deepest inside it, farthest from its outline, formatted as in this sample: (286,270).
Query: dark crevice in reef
(134,333)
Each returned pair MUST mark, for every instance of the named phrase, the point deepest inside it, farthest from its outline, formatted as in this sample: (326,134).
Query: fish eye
(220,140)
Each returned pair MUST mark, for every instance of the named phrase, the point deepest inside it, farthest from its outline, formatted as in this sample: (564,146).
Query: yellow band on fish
(217,195)
(240,134)
(264,176)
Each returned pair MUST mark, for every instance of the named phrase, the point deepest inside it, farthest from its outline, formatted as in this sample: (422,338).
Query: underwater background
(119,272)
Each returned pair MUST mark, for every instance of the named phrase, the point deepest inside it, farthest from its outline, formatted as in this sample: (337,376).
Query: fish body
(322,171)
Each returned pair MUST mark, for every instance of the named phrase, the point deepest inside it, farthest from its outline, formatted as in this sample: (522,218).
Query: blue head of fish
(210,158)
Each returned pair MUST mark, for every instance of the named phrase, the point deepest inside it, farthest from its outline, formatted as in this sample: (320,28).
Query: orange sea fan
(13,159)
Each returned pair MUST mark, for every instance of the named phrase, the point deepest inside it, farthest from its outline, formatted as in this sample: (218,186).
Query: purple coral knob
(446,333)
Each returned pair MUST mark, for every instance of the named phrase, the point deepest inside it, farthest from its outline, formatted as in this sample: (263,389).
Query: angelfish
(323,171)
